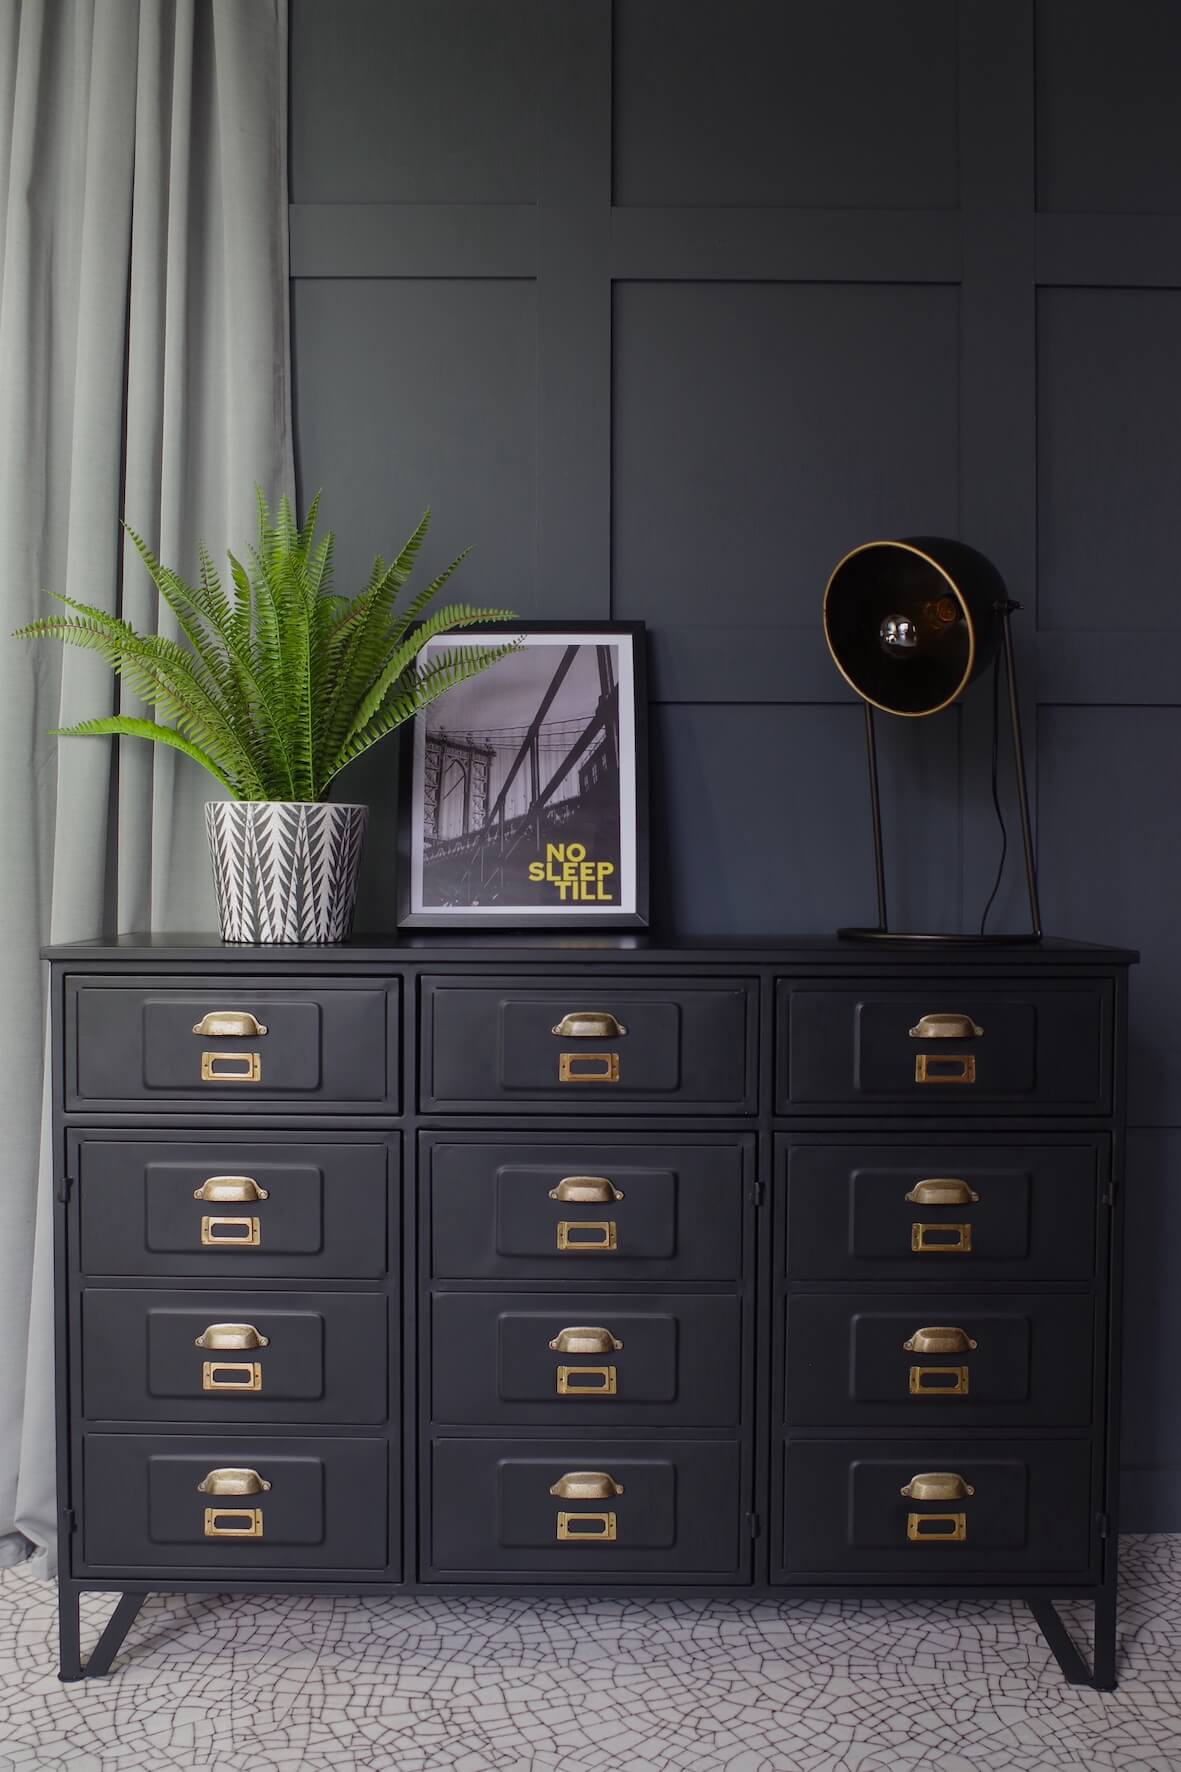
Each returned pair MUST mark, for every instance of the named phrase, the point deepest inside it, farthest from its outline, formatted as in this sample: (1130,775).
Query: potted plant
(281,685)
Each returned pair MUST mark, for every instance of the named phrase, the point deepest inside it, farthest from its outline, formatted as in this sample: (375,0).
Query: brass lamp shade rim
(907,547)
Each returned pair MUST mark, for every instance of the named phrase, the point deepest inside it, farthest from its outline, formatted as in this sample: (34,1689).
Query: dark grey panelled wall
(664,305)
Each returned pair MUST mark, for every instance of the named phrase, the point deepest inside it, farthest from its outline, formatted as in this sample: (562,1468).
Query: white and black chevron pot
(285,870)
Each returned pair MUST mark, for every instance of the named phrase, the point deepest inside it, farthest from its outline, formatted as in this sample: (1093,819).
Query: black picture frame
(413,910)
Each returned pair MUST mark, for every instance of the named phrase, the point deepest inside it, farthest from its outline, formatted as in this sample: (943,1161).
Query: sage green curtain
(144,372)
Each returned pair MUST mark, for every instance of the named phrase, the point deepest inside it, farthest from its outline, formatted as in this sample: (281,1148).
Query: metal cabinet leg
(1065,1650)
(109,1643)
(69,1631)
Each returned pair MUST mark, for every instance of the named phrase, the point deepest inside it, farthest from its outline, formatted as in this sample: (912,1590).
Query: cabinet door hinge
(757,1192)
(755,1524)
(1104,1525)
(1108,1194)
(63,1189)
(69,1521)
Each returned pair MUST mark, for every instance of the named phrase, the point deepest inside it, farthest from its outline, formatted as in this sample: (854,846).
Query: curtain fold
(145,374)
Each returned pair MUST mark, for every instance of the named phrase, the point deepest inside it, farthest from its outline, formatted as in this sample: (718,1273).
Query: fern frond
(123,726)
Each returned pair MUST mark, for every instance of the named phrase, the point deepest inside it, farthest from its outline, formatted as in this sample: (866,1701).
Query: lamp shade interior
(910,623)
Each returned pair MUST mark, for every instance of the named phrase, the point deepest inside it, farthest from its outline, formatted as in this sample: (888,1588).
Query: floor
(308,1685)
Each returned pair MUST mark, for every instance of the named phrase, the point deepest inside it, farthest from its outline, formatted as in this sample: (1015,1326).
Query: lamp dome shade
(911,623)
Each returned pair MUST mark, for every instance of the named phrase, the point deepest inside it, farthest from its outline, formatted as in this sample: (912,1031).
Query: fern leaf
(123,726)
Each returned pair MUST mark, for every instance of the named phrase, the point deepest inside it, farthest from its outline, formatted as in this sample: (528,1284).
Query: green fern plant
(282,683)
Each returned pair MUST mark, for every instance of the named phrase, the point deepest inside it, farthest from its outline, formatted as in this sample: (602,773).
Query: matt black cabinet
(788,1269)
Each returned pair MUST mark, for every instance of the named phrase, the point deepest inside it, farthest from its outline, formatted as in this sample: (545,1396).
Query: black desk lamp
(910,624)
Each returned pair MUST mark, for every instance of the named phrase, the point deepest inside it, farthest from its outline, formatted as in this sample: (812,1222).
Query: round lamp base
(999,940)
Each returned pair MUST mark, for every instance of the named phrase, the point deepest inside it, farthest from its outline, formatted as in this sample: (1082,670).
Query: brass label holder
(586,1381)
(586,1528)
(603,1067)
(929,1528)
(231,1067)
(230,1233)
(939,1381)
(941,1239)
(586,1236)
(231,1375)
(233,1522)
(945,1067)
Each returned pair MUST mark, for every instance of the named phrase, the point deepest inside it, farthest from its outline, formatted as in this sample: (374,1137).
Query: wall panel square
(1109,458)
(414,101)
(1109,847)
(763,429)
(1108,77)
(847,104)
(423,392)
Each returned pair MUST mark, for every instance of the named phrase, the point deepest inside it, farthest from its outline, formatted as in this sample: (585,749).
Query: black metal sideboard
(542,1265)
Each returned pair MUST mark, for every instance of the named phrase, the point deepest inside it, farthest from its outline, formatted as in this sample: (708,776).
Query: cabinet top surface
(530,947)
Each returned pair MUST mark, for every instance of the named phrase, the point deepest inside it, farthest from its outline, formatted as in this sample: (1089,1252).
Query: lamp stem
(875,809)
(1035,913)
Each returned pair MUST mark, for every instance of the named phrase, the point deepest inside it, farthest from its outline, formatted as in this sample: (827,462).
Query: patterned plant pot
(285,870)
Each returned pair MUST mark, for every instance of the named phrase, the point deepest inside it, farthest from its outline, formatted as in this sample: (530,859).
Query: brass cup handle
(583,1339)
(943,1026)
(233,1481)
(586,1486)
(225,1335)
(588,1024)
(229,1024)
(937,1486)
(942,1190)
(586,1188)
(940,1339)
(230,1187)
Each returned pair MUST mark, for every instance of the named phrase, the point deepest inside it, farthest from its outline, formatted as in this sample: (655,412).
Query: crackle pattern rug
(499,1685)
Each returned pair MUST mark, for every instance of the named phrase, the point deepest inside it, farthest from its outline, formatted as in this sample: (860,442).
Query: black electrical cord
(996,798)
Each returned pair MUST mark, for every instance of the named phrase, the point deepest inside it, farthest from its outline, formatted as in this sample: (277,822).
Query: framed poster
(524,790)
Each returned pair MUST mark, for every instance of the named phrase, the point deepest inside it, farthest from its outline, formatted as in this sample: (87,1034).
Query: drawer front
(969,1208)
(250,1356)
(954,1046)
(844,1513)
(669,1508)
(326,1505)
(593,1358)
(590,1046)
(936,1361)
(237,1207)
(578,1208)
(228,1044)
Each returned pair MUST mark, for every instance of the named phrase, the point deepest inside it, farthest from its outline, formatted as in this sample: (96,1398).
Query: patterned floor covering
(309,1685)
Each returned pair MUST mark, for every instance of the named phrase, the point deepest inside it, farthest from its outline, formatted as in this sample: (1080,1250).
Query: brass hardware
(937,1486)
(586,1486)
(585,1189)
(952,1067)
(939,1381)
(222,1335)
(939,1340)
(229,1024)
(248,1522)
(230,1233)
(233,1480)
(230,1187)
(213,1067)
(231,1375)
(584,1340)
(946,1027)
(586,1381)
(941,1190)
(595,1234)
(586,1528)
(607,1072)
(959,1235)
(936,1528)
(588,1024)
